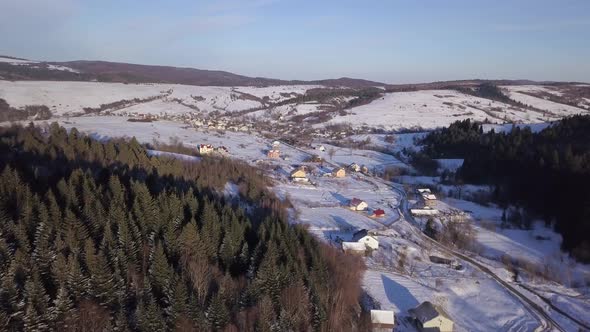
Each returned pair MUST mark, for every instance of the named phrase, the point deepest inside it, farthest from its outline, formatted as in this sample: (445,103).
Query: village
(355,238)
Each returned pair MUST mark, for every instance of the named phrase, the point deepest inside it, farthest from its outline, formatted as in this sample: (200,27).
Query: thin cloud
(234,5)
(540,27)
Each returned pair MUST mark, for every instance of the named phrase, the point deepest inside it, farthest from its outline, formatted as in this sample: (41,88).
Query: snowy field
(72,97)
(429,109)
(560,110)
(474,302)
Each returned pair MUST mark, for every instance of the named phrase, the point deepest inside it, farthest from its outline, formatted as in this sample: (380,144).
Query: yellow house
(298,173)
(339,172)
(429,317)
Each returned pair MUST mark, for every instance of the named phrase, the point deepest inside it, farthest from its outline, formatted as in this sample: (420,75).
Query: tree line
(101,236)
(548,172)
(8,113)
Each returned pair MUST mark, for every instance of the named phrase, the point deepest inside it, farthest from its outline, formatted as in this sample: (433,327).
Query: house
(429,317)
(205,148)
(354,167)
(276,144)
(363,236)
(322,148)
(364,169)
(274,154)
(382,320)
(358,205)
(339,172)
(356,248)
(427,196)
(299,175)
(378,213)
(426,211)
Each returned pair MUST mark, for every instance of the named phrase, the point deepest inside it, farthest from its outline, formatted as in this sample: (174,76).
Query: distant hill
(13,68)
(105,71)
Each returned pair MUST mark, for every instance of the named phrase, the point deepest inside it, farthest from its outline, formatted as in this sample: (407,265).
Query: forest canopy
(547,172)
(101,236)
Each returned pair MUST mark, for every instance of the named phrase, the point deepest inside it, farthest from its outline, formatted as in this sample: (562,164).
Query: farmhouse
(428,317)
(274,153)
(363,236)
(358,205)
(356,248)
(205,148)
(382,320)
(339,172)
(378,213)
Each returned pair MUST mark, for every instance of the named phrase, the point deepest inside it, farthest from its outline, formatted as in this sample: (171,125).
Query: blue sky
(394,41)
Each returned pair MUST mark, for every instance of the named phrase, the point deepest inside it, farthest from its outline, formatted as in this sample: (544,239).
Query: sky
(391,41)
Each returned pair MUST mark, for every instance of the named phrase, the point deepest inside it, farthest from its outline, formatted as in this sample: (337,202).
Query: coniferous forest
(101,236)
(547,173)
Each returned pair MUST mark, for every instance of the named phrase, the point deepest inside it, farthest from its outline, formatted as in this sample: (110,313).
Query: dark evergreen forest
(100,236)
(548,172)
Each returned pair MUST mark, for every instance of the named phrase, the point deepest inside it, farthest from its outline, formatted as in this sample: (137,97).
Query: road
(547,323)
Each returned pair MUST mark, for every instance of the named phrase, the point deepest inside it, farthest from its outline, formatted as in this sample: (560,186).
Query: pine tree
(62,308)
(161,274)
(149,316)
(76,282)
(36,302)
(217,313)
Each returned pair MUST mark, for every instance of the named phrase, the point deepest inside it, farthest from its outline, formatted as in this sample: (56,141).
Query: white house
(205,148)
(358,205)
(429,317)
(363,236)
(382,320)
(321,148)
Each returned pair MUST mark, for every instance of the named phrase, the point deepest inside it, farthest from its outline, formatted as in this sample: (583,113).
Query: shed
(354,247)
(378,213)
(382,320)
(426,211)
(354,167)
(429,317)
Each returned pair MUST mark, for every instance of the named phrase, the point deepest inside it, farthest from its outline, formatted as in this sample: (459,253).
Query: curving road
(547,323)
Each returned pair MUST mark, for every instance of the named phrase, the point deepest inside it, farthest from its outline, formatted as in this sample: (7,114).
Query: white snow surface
(15,61)
(557,109)
(428,109)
